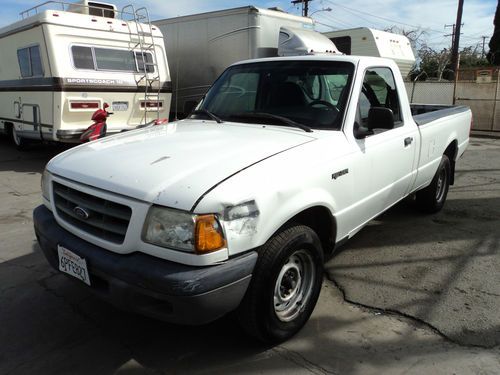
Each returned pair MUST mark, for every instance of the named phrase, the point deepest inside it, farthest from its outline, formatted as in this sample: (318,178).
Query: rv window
(30,63)
(111,59)
(140,62)
(114,59)
(82,57)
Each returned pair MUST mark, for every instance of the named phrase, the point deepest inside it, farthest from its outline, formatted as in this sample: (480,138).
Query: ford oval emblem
(81,212)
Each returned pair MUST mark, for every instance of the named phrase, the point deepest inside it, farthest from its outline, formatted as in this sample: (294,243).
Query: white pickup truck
(236,207)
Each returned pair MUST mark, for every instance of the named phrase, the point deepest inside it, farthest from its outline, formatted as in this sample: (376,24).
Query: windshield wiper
(204,111)
(262,115)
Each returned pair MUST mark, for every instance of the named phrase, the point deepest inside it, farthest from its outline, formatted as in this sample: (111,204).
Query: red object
(84,105)
(151,104)
(161,121)
(98,128)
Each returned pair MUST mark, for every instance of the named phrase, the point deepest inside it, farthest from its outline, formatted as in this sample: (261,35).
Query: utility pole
(456,38)
(482,53)
(452,34)
(456,42)
(305,6)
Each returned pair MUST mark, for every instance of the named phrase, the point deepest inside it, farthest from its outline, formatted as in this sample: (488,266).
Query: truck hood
(174,164)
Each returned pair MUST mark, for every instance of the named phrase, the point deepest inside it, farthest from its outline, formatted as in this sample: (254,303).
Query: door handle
(408,141)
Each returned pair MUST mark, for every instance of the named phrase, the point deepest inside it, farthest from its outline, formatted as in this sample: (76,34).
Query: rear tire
(285,285)
(432,198)
(20,142)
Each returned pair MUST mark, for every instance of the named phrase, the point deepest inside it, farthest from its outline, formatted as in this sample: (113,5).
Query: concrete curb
(485,134)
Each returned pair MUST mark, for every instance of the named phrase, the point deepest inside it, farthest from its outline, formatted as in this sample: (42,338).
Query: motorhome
(62,61)
(363,41)
(201,46)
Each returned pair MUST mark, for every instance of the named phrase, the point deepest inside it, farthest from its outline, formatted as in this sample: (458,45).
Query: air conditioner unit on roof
(93,8)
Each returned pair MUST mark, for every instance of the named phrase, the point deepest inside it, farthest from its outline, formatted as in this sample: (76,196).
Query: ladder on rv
(144,44)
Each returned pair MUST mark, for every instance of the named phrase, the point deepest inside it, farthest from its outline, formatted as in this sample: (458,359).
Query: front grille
(106,220)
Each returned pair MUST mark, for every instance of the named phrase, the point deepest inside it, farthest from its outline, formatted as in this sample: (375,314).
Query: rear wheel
(285,285)
(20,142)
(432,198)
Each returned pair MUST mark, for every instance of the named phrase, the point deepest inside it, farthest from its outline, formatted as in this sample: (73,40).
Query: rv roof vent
(294,42)
(276,9)
(93,8)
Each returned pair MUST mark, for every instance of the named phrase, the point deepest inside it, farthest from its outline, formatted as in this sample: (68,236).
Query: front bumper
(148,285)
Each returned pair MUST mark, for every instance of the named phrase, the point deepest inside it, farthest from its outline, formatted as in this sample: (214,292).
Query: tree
(494,53)
(471,57)
(433,63)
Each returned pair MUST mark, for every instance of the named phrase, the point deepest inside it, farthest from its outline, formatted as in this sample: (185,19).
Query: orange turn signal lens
(209,236)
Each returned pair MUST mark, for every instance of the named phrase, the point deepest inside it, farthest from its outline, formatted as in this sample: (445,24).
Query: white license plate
(72,264)
(119,106)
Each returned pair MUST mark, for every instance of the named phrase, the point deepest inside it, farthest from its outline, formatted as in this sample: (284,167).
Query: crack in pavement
(407,316)
(299,360)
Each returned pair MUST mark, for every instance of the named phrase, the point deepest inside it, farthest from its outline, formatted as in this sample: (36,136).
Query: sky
(430,16)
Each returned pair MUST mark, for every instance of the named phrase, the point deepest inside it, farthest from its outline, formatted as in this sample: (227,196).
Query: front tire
(285,285)
(431,199)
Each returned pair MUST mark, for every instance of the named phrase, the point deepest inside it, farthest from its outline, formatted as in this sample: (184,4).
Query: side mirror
(361,133)
(380,118)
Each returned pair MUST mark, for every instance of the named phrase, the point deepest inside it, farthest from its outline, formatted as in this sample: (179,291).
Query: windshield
(310,93)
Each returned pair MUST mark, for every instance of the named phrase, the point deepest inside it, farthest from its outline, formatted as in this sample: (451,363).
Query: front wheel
(285,285)
(431,199)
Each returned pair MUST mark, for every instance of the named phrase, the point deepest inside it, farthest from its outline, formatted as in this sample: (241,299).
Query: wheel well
(320,220)
(451,152)
(8,127)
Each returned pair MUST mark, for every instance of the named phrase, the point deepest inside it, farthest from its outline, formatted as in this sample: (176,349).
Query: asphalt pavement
(409,294)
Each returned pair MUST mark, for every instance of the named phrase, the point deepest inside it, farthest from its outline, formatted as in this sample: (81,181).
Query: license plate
(119,106)
(72,264)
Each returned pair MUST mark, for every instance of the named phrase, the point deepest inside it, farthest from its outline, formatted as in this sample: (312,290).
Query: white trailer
(58,65)
(363,41)
(201,46)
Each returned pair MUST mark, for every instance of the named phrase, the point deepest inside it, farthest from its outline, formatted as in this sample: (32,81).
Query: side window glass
(36,62)
(379,90)
(30,62)
(140,62)
(82,57)
(23,56)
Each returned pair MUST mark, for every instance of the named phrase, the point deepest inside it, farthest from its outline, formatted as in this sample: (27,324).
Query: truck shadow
(82,334)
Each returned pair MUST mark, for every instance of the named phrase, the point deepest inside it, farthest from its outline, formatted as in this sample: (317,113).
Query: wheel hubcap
(441,183)
(16,138)
(294,286)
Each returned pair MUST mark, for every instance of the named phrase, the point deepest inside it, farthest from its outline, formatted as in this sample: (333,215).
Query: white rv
(363,41)
(201,46)
(58,65)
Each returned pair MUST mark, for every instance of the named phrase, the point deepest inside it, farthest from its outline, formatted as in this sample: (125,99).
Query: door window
(379,90)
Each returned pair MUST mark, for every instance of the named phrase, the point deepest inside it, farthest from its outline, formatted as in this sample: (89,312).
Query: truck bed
(425,113)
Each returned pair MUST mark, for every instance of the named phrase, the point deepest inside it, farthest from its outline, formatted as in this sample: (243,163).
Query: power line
(382,18)
(305,6)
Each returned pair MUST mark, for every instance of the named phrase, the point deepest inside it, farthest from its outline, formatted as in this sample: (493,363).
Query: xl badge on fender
(340,173)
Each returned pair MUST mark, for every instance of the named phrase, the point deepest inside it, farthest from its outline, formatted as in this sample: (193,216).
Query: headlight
(45,184)
(183,231)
